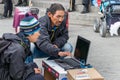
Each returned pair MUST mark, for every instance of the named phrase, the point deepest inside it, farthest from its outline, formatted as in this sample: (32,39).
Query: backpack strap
(27,50)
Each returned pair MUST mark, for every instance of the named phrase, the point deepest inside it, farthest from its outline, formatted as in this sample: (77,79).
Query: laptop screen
(81,49)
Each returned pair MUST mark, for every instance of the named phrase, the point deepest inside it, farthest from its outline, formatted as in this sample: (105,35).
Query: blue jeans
(35,77)
(40,54)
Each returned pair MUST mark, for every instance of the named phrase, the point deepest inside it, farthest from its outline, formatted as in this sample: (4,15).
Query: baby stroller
(110,10)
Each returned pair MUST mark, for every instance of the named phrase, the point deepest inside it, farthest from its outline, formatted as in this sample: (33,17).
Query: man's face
(57,18)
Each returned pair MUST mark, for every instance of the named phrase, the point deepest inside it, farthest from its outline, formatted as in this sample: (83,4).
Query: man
(14,56)
(22,3)
(86,6)
(2,2)
(8,8)
(54,34)
(71,5)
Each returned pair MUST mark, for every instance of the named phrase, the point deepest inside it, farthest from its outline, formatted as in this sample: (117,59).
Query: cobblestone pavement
(104,53)
(6,25)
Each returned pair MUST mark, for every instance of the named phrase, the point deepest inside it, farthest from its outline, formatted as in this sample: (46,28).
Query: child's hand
(37,70)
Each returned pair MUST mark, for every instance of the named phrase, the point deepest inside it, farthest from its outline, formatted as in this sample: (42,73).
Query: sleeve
(15,56)
(44,43)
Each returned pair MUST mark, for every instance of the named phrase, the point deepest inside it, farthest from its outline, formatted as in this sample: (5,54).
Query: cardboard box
(84,74)
(53,71)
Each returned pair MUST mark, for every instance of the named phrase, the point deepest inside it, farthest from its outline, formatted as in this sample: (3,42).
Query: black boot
(19,3)
(69,10)
(85,10)
(25,3)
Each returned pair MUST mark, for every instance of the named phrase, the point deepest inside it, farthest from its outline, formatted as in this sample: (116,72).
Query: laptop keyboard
(68,63)
(64,65)
(72,62)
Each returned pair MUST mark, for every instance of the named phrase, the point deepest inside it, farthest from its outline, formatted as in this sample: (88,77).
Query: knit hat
(29,25)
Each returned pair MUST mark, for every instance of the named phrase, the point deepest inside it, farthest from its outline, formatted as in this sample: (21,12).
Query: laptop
(80,55)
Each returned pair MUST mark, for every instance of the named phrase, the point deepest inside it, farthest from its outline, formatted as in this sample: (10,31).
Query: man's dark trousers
(72,4)
(86,3)
(8,8)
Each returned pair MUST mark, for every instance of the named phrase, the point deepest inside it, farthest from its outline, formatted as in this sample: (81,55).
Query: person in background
(54,34)
(22,3)
(8,8)
(15,55)
(86,4)
(2,2)
(71,6)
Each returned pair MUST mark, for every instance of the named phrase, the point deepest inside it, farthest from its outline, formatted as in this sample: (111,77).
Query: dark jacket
(45,43)
(13,58)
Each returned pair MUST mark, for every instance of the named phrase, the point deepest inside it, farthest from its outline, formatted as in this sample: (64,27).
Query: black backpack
(4,73)
(4,45)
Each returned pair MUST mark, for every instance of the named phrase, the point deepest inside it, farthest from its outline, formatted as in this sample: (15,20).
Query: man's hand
(37,70)
(64,54)
(55,46)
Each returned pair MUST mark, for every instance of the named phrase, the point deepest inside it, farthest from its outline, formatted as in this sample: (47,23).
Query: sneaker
(18,4)
(2,17)
(10,16)
(71,10)
(84,12)
(24,4)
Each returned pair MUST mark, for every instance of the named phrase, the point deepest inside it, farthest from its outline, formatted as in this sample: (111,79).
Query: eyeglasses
(59,17)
